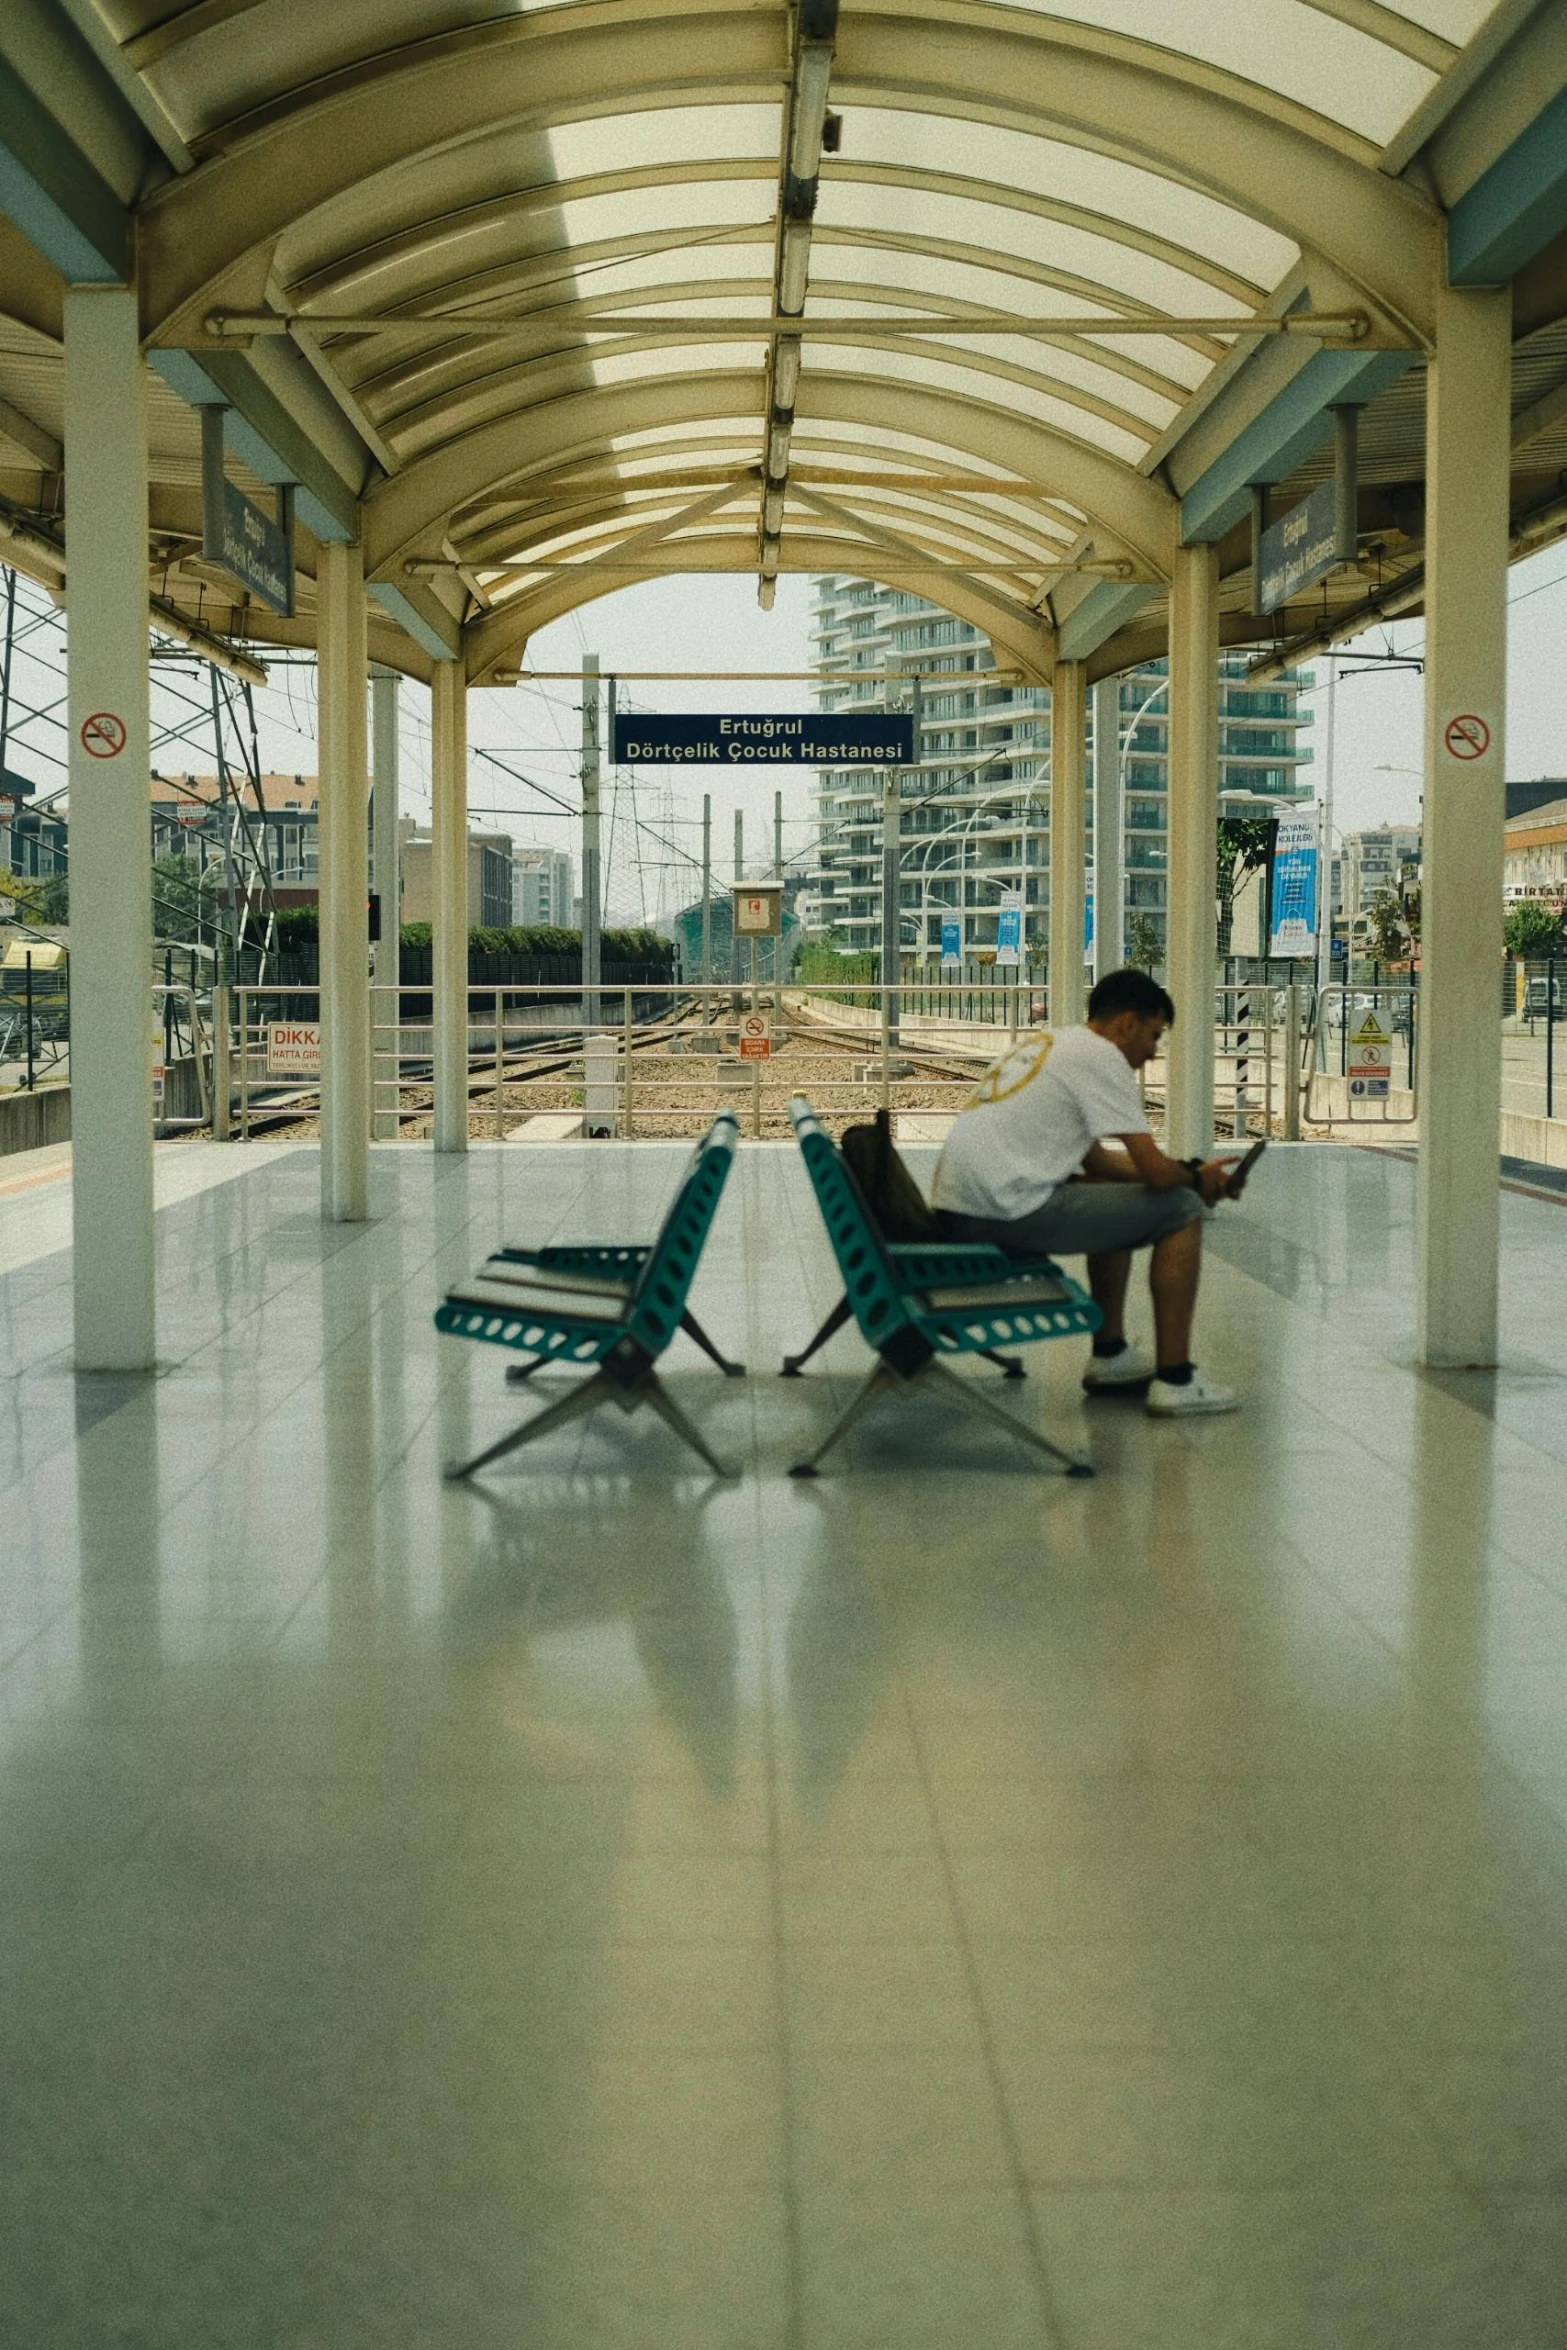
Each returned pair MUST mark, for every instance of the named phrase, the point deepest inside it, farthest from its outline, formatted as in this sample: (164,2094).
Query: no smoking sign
(1467,736)
(103,735)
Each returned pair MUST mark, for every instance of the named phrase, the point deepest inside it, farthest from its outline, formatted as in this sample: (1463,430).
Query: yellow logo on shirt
(1016,1069)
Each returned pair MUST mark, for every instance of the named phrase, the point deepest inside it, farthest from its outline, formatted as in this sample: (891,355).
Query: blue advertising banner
(1009,930)
(1295,886)
(1088,924)
(770,738)
(951,940)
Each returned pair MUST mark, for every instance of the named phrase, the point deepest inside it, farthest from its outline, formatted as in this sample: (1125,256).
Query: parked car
(1540,996)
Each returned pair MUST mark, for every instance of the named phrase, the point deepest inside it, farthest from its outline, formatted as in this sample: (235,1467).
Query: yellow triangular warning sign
(1370,1031)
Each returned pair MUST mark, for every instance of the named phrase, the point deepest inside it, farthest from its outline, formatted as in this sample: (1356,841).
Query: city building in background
(976,815)
(542,888)
(1386,857)
(1535,861)
(493,892)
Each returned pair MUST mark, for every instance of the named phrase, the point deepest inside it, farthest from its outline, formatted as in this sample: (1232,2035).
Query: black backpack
(891,1193)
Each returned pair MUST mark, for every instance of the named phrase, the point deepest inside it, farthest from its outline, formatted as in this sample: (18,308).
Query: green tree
(54,898)
(1245,844)
(177,908)
(1388,922)
(1533,932)
(1142,943)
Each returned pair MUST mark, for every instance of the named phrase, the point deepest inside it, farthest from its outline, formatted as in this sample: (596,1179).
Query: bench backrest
(870,1284)
(664,1284)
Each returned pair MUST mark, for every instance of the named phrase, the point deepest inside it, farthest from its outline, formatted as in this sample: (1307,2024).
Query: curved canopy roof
(556,291)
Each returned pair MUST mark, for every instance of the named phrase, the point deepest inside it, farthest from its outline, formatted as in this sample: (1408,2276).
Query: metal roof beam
(1291,424)
(1515,208)
(58,199)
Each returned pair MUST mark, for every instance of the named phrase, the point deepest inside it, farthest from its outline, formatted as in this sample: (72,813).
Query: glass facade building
(976,808)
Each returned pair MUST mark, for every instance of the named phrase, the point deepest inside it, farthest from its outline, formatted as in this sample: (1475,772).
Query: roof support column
(449,899)
(1068,840)
(345,860)
(386,869)
(1109,831)
(1458,1215)
(111,859)
(1193,821)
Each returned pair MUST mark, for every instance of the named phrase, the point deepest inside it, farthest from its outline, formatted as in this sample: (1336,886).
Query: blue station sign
(772,738)
(1299,549)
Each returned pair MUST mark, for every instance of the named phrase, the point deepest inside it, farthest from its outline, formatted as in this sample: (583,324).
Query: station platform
(942,1903)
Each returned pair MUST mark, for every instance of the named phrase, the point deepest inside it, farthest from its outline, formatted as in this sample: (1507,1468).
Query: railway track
(797,1041)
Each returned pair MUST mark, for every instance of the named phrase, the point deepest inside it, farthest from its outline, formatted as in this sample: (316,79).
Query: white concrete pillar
(1109,831)
(1068,840)
(387,880)
(449,899)
(111,855)
(344,884)
(1458,1227)
(1192,948)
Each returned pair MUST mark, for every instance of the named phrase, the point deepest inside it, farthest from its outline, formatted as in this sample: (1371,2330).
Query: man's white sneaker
(1116,1374)
(1167,1402)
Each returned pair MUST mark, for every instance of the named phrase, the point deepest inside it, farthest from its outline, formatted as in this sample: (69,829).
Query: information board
(769,738)
(756,1037)
(1371,1061)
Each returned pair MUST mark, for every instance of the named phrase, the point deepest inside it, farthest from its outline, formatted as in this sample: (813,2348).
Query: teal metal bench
(610,1308)
(927,1303)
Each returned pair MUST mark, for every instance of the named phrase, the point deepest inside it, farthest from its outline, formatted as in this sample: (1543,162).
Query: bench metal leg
(1076,1463)
(693,1329)
(516,1373)
(650,1391)
(880,1379)
(1013,1365)
(793,1364)
(586,1398)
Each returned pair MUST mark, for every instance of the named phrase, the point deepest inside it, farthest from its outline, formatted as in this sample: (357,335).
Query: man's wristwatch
(1194,1170)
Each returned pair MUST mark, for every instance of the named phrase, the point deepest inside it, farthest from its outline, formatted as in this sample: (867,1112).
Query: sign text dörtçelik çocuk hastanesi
(869,738)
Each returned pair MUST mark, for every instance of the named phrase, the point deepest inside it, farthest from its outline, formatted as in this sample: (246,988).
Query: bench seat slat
(543,1305)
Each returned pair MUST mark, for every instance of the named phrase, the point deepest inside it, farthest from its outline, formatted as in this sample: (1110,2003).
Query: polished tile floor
(944,1907)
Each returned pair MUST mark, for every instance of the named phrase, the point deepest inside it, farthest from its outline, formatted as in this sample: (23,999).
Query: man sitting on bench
(1025,1167)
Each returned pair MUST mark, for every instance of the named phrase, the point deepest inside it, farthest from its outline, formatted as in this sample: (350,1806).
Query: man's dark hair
(1130,991)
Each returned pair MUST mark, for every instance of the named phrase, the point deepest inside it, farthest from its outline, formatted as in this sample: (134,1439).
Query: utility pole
(1325,851)
(735,948)
(592,960)
(706,971)
(778,870)
(891,859)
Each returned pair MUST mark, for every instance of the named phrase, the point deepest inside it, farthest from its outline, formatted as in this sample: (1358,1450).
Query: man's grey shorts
(1082,1219)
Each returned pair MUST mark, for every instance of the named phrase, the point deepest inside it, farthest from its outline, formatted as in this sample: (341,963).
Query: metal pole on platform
(1109,831)
(449,901)
(386,867)
(345,861)
(1193,853)
(1458,1211)
(111,871)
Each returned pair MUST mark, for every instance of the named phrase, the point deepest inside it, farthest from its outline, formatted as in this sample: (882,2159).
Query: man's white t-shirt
(1032,1120)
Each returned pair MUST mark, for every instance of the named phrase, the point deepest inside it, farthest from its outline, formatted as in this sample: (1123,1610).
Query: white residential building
(983,777)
